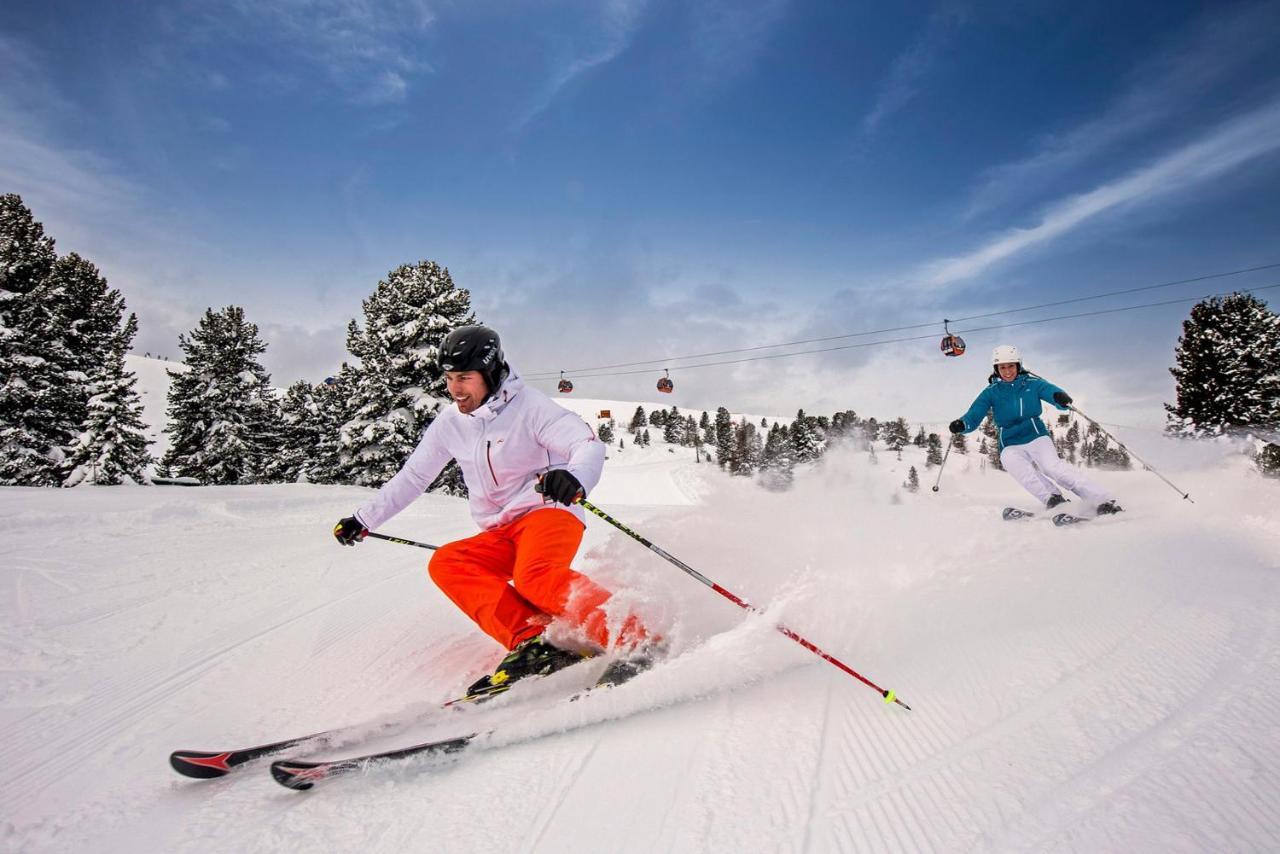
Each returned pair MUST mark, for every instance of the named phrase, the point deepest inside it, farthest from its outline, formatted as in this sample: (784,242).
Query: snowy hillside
(1114,686)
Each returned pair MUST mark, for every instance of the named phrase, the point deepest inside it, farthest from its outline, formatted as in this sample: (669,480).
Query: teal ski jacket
(1015,406)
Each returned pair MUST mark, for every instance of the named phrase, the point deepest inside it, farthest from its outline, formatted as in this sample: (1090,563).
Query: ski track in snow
(1111,686)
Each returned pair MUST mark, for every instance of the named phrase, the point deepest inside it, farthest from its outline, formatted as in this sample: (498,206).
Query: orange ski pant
(514,578)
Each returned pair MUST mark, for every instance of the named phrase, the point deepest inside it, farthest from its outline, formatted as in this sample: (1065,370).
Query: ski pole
(400,541)
(1145,464)
(950,442)
(889,696)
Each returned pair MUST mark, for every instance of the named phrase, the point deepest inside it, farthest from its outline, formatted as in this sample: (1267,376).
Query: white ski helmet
(1005,354)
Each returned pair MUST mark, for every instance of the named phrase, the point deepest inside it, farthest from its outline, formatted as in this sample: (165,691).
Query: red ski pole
(889,696)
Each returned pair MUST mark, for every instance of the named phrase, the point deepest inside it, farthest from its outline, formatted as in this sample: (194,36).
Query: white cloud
(906,74)
(1232,144)
(608,40)
(1220,51)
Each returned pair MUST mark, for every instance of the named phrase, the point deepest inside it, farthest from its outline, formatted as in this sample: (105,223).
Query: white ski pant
(1036,465)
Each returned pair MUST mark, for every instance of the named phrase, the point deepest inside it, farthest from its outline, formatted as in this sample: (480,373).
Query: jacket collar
(506,393)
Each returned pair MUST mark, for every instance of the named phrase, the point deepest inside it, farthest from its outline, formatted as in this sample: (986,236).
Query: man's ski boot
(533,657)
(1106,508)
(1055,500)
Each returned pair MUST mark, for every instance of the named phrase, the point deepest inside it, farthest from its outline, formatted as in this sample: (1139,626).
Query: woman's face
(1007,371)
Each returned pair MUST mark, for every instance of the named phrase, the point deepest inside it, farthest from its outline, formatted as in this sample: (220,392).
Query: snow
(1109,686)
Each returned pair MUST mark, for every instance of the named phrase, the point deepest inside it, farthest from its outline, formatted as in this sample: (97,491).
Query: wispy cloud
(607,40)
(911,67)
(371,50)
(726,38)
(1232,144)
(1215,52)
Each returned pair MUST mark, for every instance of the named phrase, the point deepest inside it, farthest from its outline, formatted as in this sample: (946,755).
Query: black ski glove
(560,485)
(1062,398)
(957,426)
(349,531)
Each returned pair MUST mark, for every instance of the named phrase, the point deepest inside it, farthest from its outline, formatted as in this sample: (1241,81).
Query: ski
(1064,519)
(301,775)
(1009,514)
(209,765)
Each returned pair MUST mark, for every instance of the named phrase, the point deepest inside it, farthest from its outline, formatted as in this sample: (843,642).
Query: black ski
(301,775)
(1011,513)
(209,765)
(1064,519)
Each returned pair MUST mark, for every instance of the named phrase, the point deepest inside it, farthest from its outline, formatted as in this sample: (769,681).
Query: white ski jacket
(501,448)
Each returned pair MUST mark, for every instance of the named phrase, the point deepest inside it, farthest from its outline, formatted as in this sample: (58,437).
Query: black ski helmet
(474,348)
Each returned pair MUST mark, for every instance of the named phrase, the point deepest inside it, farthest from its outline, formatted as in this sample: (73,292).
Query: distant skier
(514,576)
(1013,396)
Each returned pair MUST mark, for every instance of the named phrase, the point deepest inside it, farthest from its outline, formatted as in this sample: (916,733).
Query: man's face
(1008,370)
(467,388)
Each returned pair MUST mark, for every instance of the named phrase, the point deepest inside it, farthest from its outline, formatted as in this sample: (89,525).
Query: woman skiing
(1013,395)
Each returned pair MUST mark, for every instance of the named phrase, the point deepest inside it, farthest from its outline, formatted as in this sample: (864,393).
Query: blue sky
(617,181)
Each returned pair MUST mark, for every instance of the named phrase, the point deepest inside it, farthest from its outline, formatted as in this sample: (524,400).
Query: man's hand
(560,485)
(957,426)
(1062,398)
(349,531)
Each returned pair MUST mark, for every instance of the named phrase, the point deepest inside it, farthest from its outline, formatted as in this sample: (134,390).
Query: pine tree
(1268,460)
(960,443)
(993,453)
(913,480)
(29,351)
(333,409)
(708,431)
(1228,367)
(605,433)
(871,429)
(896,434)
(1072,443)
(221,408)
(113,445)
(919,439)
(400,385)
(723,437)
(638,421)
(805,446)
(647,439)
(934,455)
(300,433)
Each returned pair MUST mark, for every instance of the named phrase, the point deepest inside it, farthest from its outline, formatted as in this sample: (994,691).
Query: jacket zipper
(489,459)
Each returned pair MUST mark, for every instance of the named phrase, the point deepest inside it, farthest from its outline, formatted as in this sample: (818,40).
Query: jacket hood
(498,401)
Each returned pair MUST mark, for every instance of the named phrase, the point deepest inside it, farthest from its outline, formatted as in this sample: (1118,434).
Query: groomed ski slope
(1113,686)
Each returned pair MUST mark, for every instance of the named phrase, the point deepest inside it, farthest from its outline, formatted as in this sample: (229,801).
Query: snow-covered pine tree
(960,443)
(743,459)
(933,456)
(300,431)
(113,445)
(333,409)
(724,436)
(673,427)
(1071,446)
(1268,459)
(638,421)
(648,440)
(605,433)
(993,442)
(399,386)
(658,418)
(708,431)
(691,437)
(913,480)
(919,439)
(1228,367)
(805,445)
(896,434)
(871,429)
(221,408)
(30,365)
(89,314)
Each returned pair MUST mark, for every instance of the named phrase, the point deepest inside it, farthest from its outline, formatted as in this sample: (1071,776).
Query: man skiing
(525,461)
(1013,395)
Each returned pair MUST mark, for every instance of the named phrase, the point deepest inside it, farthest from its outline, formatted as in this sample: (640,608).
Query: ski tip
(200,765)
(299,776)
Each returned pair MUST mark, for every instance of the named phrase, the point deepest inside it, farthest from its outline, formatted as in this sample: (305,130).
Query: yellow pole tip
(889,696)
